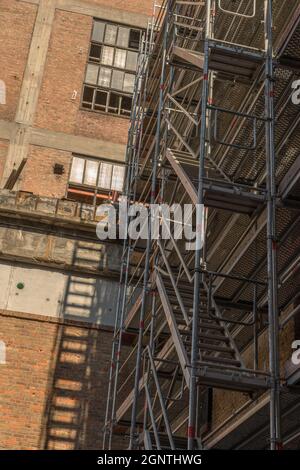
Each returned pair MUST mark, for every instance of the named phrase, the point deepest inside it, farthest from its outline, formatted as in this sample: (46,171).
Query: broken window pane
(117,178)
(107,55)
(105,173)
(120,59)
(98,31)
(77,170)
(117,79)
(126,105)
(100,100)
(113,60)
(114,103)
(91,73)
(104,77)
(131,62)
(95,52)
(88,93)
(91,172)
(111,34)
(123,37)
(129,82)
(134,39)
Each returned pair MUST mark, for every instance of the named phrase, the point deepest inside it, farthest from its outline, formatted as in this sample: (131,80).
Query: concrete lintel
(67,142)
(77,144)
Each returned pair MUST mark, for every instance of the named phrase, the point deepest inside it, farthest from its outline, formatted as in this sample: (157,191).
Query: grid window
(97,174)
(111,68)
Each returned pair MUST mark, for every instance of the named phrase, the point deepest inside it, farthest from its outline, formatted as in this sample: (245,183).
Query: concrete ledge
(60,212)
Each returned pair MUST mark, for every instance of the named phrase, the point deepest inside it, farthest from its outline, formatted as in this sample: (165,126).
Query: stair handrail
(152,418)
(171,276)
(178,252)
(218,317)
(236,13)
(160,397)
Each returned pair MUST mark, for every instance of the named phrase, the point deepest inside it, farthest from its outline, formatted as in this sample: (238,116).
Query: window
(110,73)
(96,174)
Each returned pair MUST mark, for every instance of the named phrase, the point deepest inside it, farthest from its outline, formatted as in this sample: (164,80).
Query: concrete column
(31,86)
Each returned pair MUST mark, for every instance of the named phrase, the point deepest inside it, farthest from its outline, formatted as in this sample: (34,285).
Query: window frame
(121,95)
(95,189)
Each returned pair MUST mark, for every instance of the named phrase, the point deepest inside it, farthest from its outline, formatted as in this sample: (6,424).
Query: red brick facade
(14,16)
(38,176)
(59,102)
(54,384)
(53,387)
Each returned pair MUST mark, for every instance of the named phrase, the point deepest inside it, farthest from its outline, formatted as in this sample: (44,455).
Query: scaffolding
(202,133)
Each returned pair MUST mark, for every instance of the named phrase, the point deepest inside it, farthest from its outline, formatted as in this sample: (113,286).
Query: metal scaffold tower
(201,134)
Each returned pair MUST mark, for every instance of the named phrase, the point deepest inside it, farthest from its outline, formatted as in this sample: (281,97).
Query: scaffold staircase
(219,361)
(197,147)
(219,191)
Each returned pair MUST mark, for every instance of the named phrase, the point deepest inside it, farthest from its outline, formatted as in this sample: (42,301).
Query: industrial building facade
(67,72)
(149,344)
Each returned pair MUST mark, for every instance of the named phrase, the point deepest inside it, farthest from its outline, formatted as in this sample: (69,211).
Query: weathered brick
(17,21)
(43,395)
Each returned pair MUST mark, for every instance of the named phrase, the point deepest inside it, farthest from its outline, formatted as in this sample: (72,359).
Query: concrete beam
(108,13)
(59,251)
(77,144)
(31,86)
(61,141)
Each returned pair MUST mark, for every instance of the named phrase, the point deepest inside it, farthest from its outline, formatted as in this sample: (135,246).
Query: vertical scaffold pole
(275,425)
(121,299)
(133,428)
(199,252)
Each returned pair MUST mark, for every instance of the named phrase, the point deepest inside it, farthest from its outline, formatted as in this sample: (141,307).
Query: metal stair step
(221,360)
(207,318)
(220,338)
(211,347)
(180,442)
(211,326)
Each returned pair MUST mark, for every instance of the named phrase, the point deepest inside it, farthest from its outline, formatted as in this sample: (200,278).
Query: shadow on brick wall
(75,408)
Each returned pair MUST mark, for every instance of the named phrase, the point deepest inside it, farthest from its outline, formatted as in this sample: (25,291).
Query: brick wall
(58,107)
(64,74)
(17,21)
(38,177)
(54,384)
(226,404)
(103,127)
(53,387)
